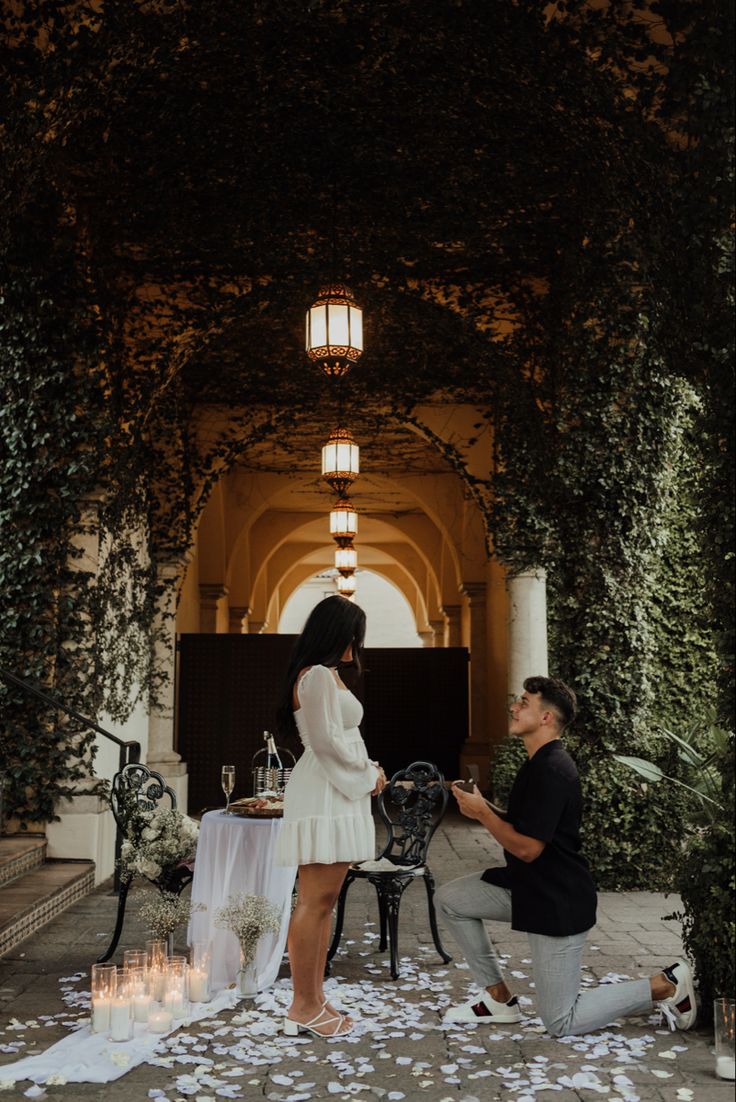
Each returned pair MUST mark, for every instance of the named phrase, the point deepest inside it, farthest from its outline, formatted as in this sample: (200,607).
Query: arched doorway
(390,619)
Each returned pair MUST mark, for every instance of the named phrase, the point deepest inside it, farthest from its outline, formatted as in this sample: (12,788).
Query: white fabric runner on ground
(86,1057)
(236,854)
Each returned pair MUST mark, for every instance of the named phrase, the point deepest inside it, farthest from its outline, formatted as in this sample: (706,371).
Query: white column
(161,753)
(85,829)
(527,628)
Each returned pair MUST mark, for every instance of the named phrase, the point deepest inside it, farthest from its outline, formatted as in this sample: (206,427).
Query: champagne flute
(227,780)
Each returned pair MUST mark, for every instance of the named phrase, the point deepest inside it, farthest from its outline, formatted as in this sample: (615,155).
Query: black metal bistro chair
(142,786)
(412,806)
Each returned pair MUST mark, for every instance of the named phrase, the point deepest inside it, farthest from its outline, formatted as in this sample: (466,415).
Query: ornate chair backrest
(140,785)
(412,806)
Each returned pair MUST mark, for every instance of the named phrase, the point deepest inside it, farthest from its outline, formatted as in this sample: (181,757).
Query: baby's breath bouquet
(166,912)
(249,917)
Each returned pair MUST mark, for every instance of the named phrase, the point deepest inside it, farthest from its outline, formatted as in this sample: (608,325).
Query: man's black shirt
(554,894)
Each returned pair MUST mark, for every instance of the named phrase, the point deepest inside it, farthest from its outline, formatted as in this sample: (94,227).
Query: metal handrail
(129,752)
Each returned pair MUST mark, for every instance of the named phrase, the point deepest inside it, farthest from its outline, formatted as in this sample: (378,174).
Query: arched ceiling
(221,159)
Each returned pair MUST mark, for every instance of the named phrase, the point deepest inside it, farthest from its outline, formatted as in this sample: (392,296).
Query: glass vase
(247,983)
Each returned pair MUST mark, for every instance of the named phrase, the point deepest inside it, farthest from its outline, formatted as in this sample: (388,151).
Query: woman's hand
(470,804)
(381,780)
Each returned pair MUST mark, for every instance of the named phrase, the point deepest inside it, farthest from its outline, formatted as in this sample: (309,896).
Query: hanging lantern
(343,523)
(346,585)
(340,461)
(335,330)
(346,559)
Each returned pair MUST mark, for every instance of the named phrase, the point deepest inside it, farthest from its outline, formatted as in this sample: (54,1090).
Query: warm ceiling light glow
(340,460)
(334,330)
(346,559)
(343,522)
(346,585)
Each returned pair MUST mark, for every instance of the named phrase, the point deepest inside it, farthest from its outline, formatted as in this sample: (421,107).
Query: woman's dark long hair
(332,626)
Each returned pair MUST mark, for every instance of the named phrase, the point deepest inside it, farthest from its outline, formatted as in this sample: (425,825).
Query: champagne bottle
(273,761)
(274,775)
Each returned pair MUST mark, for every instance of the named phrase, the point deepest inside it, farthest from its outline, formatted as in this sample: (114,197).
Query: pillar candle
(120,1019)
(176,1004)
(198,986)
(725,1067)
(159,1021)
(141,1007)
(101,1015)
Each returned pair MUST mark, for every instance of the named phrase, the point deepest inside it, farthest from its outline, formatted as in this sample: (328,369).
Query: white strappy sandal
(293,1028)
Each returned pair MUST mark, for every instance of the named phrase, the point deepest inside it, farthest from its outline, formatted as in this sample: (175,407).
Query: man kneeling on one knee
(545,889)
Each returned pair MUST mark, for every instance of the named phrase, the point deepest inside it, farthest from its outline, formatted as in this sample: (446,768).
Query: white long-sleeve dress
(327,805)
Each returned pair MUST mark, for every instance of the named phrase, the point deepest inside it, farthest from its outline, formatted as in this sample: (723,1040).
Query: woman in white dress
(327,805)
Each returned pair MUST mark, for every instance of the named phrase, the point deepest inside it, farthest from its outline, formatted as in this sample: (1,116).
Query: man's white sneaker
(485,1010)
(680,1009)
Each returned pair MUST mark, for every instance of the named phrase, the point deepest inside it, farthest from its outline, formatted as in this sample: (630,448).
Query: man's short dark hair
(556,695)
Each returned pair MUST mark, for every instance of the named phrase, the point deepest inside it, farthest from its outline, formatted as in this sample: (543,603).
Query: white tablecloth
(233,855)
(86,1057)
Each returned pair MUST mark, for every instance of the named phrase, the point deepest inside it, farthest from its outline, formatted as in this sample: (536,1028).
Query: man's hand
(475,806)
(471,804)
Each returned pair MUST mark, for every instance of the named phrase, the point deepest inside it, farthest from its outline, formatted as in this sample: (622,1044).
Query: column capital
(537,572)
(236,614)
(167,571)
(453,631)
(212,591)
(474,591)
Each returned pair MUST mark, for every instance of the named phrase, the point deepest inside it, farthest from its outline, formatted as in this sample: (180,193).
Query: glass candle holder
(156,969)
(137,988)
(104,989)
(724,1013)
(159,1020)
(175,997)
(156,954)
(199,971)
(135,958)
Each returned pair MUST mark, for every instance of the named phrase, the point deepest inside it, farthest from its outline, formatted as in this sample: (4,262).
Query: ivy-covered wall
(546,237)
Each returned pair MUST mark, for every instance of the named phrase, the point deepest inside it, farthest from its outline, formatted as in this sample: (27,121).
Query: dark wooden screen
(416,706)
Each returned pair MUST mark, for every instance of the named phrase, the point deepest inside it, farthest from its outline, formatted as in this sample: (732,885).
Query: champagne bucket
(270,780)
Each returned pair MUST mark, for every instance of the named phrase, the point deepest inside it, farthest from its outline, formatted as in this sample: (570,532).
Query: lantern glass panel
(338,325)
(346,586)
(346,558)
(356,327)
(317,336)
(343,521)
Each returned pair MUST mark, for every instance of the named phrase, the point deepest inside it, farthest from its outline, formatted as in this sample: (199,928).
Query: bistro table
(236,854)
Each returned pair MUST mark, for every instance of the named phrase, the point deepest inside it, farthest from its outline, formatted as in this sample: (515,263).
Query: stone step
(30,901)
(19,854)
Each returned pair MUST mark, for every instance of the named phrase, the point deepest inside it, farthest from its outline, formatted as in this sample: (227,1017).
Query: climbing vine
(166,207)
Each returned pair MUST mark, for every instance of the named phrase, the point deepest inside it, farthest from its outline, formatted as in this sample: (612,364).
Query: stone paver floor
(399,1051)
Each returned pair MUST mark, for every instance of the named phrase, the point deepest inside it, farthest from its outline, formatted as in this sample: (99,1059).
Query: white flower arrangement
(166,913)
(249,917)
(157,842)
